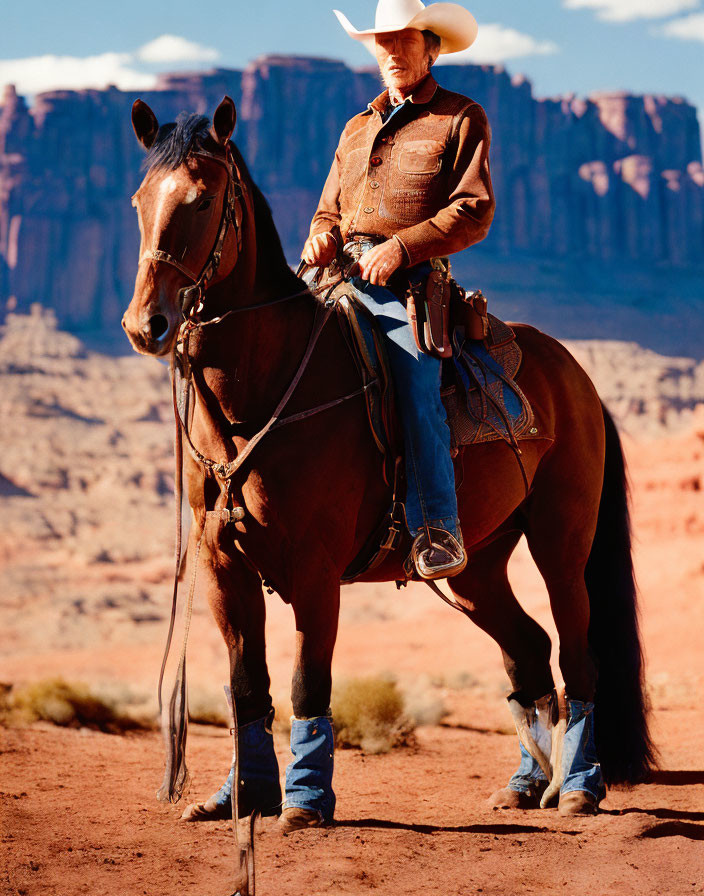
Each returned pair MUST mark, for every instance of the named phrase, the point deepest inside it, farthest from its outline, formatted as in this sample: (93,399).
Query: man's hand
(379,263)
(319,250)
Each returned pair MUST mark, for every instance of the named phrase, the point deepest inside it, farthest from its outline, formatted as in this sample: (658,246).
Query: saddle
(479,391)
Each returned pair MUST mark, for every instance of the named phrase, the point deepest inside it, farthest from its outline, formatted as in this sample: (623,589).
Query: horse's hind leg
(237,603)
(484,591)
(561,522)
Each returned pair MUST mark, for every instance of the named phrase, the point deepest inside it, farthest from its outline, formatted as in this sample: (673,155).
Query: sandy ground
(80,599)
(81,819)
(79,814)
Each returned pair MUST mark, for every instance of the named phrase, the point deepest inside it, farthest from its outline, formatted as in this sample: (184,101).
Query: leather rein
(193,305)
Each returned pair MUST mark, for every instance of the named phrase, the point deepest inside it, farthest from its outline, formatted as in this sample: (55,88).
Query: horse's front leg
(310,799)
(237,603)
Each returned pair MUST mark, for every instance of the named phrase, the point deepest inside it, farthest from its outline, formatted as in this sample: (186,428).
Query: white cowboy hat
(454,25)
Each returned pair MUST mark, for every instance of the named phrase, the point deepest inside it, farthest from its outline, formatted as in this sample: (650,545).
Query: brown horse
(312,492)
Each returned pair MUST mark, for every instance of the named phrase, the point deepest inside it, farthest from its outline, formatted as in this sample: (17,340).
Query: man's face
(402,57)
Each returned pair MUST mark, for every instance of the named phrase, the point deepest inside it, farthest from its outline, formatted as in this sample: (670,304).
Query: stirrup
(443,543)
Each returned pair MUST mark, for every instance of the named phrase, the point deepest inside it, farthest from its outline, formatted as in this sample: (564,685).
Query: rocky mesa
(595,196)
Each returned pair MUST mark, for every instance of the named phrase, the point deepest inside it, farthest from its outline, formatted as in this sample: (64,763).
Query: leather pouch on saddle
(428,307)
(469,311)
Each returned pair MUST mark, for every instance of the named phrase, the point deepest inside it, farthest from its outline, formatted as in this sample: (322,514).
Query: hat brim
(454,25)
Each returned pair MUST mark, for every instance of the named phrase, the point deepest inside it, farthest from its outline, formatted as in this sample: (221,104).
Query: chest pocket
(420,157)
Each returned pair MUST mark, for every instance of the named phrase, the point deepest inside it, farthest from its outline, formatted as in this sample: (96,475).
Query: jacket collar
(423,93)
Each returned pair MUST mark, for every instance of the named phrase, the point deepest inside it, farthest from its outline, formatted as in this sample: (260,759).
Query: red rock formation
(607,180)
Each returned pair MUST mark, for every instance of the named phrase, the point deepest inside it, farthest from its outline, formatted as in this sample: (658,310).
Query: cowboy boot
(310,800)
(534,725)
(260,789)
(440,557)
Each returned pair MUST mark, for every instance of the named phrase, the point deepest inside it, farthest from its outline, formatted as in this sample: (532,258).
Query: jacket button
(375,161)
(368,210)
(374,184)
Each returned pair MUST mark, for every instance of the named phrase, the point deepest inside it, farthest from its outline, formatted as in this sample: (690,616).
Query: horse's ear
(144,123)
(224,121)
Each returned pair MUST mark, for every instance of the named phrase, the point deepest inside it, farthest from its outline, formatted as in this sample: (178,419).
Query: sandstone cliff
(86,467)
(610,183)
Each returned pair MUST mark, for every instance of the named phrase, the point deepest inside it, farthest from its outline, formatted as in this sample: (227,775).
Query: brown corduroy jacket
(422,177)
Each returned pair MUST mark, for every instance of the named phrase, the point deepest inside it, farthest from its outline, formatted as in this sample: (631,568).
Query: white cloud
(127,71)
(629,10)
(496,43)
(36,74)
(686,28)
(172,48)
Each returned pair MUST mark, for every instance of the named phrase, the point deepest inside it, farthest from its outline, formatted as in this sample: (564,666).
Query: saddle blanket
(486,403)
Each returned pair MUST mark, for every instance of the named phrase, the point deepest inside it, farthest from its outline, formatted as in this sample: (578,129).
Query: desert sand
(85,555)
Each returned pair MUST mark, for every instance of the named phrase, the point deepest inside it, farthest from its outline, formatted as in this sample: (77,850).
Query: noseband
(232,214)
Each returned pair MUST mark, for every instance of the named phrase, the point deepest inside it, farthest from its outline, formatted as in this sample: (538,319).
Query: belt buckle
(352,251)
(350,256)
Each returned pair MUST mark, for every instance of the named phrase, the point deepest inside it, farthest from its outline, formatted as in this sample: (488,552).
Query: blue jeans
(430,476)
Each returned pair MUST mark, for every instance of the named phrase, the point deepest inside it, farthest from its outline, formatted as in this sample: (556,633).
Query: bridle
(192,306)
(232,214)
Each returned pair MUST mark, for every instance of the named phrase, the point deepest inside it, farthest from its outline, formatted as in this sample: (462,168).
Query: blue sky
(561,45)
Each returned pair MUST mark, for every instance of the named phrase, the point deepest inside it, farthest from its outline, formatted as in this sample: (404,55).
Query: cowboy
(410,182)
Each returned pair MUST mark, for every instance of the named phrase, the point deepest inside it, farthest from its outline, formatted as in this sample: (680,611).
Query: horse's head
(190,207)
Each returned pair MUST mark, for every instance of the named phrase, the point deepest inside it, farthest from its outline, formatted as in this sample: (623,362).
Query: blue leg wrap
(580,764)
(309,775)
(529,775)
(259,771)
(539,719)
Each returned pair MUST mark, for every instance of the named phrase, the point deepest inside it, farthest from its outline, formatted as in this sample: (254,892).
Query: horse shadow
(669,814)
(673,822)
(669,778)
(674,829)
(498,829)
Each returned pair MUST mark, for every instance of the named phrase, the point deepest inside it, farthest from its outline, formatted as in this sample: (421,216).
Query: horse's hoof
(207,811)
(507,798)
(577,802)
(295,819)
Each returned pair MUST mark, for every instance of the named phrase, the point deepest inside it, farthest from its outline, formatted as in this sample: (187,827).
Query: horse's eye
(204,203)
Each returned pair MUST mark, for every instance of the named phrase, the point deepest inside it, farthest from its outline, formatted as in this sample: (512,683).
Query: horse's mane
(189,133)
(272,266)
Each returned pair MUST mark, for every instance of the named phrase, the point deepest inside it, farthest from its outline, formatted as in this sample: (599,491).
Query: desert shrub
(424,705)
(369,713)
(5,701)
(456,680)
(65,703)
(208,708)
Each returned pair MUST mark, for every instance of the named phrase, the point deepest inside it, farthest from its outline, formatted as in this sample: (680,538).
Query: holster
(428,308)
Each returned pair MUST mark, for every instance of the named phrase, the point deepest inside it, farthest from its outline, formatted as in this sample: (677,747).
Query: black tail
(625,749)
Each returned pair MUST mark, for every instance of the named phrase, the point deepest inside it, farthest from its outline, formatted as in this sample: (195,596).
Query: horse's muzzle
(151,334)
